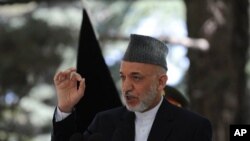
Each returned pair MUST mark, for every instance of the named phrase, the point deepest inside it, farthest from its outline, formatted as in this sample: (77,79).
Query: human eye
(137,78)
(122,77)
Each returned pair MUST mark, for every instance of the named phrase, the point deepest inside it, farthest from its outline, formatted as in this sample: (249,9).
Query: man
(175,97)
(146,116)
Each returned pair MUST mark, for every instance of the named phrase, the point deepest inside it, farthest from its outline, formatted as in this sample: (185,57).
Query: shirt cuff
(59,116)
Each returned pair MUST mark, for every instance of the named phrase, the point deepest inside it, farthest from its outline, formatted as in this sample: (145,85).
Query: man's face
(141,85)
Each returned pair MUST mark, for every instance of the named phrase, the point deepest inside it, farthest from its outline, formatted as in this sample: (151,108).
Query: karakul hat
(145,49)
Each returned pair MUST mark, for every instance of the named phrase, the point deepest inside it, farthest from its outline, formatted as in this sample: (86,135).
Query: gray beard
(144,103)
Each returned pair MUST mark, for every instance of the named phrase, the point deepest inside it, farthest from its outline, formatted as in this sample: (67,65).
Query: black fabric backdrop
(100,93)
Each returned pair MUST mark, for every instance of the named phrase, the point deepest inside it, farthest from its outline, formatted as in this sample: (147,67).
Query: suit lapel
(163,123)
(160,130)
(125,130)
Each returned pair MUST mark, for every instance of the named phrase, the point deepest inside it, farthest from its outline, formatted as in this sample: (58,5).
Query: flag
(100,93)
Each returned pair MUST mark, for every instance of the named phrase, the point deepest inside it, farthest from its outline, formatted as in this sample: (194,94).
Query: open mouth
(130,98)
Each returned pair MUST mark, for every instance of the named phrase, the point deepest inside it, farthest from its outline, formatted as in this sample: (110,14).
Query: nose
(127,86)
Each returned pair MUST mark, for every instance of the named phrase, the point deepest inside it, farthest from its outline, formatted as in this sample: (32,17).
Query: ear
(162,82)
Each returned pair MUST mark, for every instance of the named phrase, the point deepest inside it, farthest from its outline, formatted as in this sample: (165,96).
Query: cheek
(141,91)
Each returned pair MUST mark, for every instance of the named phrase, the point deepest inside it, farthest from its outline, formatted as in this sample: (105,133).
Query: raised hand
(68,94)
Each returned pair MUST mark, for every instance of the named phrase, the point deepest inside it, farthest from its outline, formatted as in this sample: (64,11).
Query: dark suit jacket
(171,124)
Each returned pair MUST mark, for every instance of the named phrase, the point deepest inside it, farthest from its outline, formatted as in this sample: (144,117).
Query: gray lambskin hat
(145,49)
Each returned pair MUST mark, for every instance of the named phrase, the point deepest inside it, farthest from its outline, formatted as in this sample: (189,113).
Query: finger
(81,87)
(63,75)
(64,84)
(68,72)
(57,76)
(76,76)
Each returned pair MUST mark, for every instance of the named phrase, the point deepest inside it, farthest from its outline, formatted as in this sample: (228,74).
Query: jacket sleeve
(63,130)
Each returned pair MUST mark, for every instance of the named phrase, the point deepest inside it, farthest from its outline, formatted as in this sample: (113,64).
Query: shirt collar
(150,113)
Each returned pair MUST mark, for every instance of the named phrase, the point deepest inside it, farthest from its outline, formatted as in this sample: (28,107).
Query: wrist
(65,109)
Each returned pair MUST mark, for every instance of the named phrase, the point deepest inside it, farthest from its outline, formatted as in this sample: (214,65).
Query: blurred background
(208,56)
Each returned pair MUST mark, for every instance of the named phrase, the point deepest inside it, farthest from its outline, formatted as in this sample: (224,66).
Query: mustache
(128,95)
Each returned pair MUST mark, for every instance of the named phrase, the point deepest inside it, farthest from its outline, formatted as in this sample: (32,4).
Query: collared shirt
(144,122)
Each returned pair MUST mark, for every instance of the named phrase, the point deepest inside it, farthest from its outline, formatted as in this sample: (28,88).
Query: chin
(137,108)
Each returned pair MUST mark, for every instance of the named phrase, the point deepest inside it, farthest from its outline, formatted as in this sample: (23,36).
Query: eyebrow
(133,73)
(136,73)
